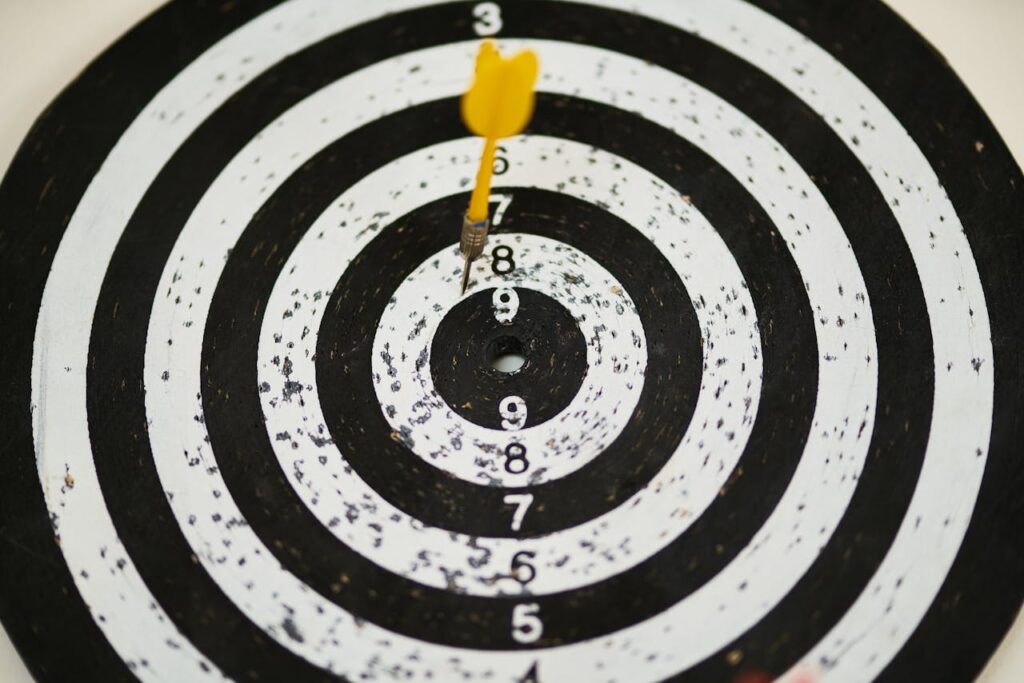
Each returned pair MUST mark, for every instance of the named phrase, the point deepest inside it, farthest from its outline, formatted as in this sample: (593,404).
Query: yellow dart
(498,104)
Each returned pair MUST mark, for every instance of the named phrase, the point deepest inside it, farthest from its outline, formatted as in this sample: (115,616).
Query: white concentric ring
(322,477)
(963,401)
(616,348)
(185,495)
(842,349)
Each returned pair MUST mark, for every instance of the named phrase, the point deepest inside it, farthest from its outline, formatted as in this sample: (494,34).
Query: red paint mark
(752,677)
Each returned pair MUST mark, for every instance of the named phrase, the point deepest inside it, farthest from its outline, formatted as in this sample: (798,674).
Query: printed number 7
(522,501)
(503,201)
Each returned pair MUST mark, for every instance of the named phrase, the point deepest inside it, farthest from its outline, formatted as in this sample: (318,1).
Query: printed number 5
(526,625)
(488,19)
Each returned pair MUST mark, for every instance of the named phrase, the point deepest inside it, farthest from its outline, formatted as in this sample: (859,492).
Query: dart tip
(465,275)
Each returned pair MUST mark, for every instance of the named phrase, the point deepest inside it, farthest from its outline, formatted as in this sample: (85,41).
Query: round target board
(733,392)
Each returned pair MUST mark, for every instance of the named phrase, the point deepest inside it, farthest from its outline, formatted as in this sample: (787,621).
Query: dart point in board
(498,104)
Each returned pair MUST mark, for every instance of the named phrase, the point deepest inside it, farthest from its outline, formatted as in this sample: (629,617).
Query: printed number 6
(521,561)
(526,625)
(488,19)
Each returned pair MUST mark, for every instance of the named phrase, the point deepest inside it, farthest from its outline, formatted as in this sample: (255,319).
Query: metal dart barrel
(471,244)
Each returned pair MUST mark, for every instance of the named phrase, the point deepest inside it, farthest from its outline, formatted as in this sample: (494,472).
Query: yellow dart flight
(499,104)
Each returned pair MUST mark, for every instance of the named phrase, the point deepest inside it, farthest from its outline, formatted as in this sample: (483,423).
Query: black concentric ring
(734,208)
(413,485)
(773,450)
(469,338)
(766,475)
(54,167)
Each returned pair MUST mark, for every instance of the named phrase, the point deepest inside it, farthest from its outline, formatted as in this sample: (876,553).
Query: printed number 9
(513,412)
(505,302)
(488,19)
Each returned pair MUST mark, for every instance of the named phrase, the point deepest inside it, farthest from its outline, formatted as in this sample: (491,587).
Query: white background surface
(44,44)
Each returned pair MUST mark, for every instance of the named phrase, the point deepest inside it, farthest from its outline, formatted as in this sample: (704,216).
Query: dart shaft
(478,202)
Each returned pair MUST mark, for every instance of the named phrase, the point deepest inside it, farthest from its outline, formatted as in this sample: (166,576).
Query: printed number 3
(488,19)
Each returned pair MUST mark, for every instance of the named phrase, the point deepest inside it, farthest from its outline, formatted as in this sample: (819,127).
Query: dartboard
(733,392)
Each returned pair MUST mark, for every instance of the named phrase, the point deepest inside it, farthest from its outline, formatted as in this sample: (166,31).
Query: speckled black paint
(50,173)
(308,549)
(984,590)
(45,617)
(428,493)
(464,346)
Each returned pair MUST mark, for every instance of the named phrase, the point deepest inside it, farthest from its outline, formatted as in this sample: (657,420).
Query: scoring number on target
(526,624)
(515,459)
(531,675)
(488,19)
(502,262)
(522,502)
(506,304)
(513,413)
(501,168)
(522,570)
(502,200)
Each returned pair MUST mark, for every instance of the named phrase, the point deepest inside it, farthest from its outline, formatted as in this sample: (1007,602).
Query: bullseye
(506,355)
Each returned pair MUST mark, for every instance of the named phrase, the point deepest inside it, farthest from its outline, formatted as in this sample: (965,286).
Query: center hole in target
(506,354)
(477,359)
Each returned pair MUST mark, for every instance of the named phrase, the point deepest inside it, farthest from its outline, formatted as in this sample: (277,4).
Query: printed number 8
(516,453)
(501,260)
